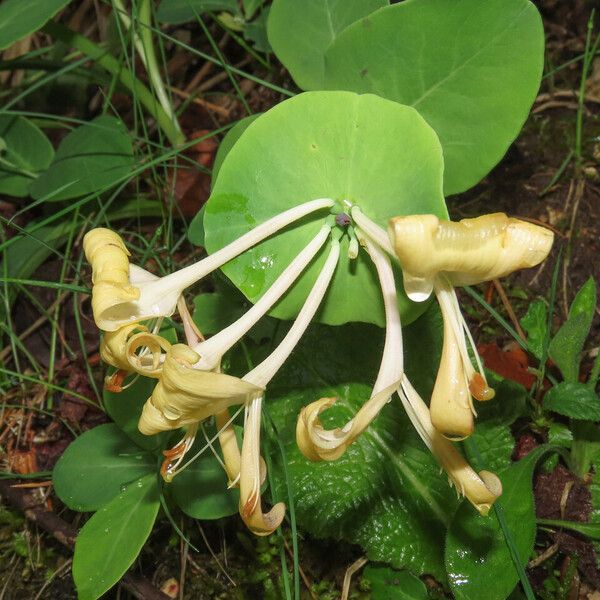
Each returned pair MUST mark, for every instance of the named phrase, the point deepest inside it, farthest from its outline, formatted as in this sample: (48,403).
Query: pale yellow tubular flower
(481,489)
(184,395)
(109,258)
(438,255)
(317,443)
(250,469)
(467,252)
(259,522)
(116,302)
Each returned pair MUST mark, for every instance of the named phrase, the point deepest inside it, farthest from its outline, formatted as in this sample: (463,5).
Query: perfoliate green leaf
(180,11)
(535,323)
(477,550)
(231,137)
(566,346)
(94,156)
(97,466)
(376,153)
(387,584)
(301,32)
(110,541)
(575,400)
(25,154)
(472,70)
(386,493)
(19,18)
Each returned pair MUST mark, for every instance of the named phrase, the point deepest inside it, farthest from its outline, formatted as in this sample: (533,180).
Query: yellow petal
(469,252)
(108,256)
(482,489)
(450,406)
(318,443)
(184,395)
(113,347)
(256,520)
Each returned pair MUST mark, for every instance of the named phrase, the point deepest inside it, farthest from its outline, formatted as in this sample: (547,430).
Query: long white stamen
(208,444)
(374,231)
(212,350)
(265,371)
(175,283)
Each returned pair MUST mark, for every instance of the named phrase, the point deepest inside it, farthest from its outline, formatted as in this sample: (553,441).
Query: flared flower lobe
(467,252)
(184,395)
(109,258)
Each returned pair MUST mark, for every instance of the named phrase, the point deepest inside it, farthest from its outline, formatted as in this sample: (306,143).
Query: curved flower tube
(482,489)
(117,302)
(212,350)
(317,443)
(437,255)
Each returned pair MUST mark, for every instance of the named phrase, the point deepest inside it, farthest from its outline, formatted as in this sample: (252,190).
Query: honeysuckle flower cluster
(435,256)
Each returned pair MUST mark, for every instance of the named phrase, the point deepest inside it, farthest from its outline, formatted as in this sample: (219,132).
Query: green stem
(125,77)
(145,49)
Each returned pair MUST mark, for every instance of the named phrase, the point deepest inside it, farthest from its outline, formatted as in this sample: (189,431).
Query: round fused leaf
(375,153)
(300,32)
(471,68)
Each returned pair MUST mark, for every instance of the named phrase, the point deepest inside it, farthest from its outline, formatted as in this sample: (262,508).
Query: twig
(224,112)
(543,557)
(509,309)
(50,579)
(65,533)
(355,566)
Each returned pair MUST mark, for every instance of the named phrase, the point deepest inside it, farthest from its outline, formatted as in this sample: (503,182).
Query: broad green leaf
(585,449)
(125,408)
(378,154)
(575,400)
(201,489)
(180,11)
(110,541)
(300,33)
(27,152)
(92,157)
(231,137)
(476,549)
(97,466)
(387,584)
(19,18)
(472,70)
(386,493)
(535,323)
(590,530)
(560,434)
(566,346)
